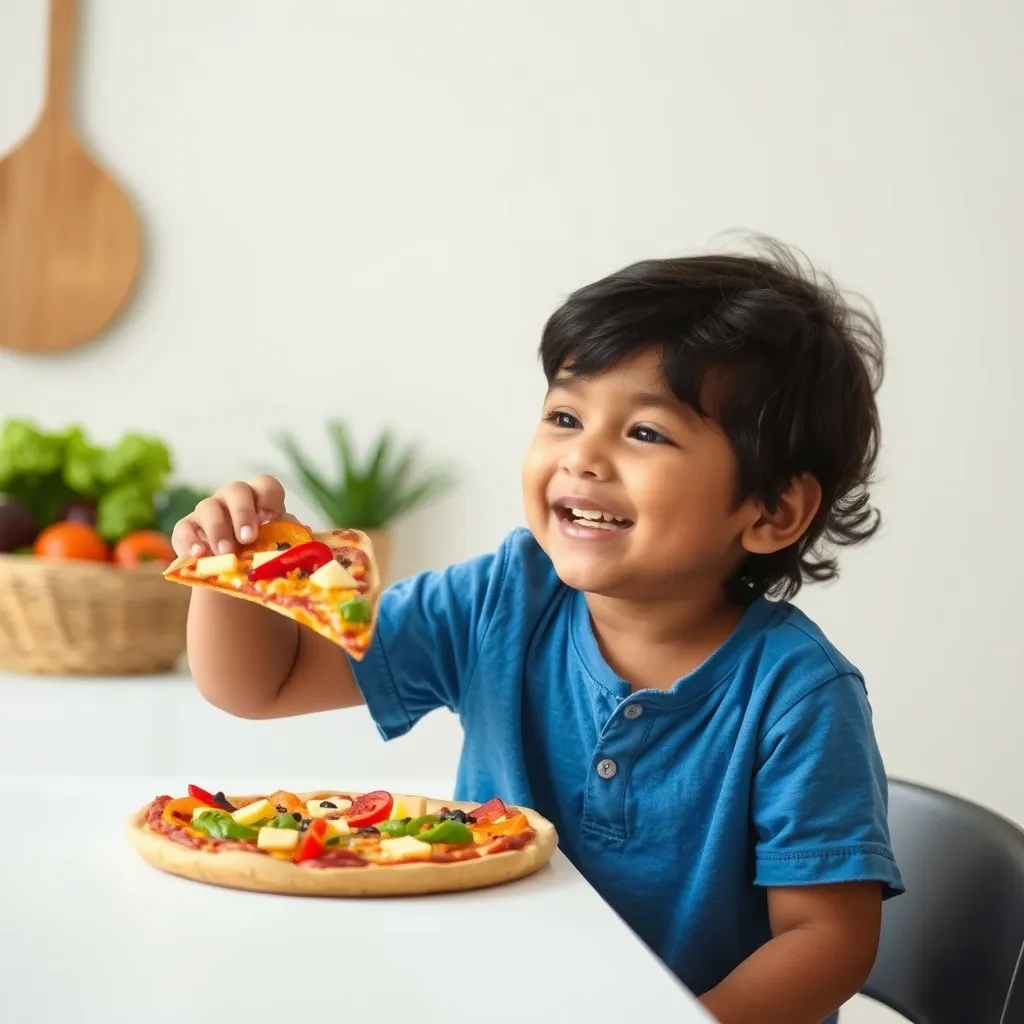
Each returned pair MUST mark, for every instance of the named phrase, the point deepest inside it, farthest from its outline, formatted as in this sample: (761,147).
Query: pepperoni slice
(488,812)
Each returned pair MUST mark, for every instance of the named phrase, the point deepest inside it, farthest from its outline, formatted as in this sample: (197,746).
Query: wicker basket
(88,618)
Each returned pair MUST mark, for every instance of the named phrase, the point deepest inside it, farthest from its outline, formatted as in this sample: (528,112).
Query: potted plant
(368,494)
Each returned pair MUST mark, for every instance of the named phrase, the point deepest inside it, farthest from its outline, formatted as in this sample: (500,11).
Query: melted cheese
(253,812)
(217,565)
(333,576)
(277,839)
(404,848)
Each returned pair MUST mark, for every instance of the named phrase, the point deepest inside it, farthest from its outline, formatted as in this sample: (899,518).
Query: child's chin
(575,573)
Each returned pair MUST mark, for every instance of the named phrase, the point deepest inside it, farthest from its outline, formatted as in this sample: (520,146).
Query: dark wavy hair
(801,368)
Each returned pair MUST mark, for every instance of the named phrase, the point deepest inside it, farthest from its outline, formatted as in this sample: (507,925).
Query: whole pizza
(339,843)
(328,582)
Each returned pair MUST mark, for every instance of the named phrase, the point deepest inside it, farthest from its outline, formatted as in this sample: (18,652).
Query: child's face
(623,444)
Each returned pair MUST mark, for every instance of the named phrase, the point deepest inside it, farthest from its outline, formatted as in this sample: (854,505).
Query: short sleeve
(820,797)
(428,634)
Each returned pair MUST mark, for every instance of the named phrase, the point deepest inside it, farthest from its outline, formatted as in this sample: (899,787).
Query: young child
(630,665)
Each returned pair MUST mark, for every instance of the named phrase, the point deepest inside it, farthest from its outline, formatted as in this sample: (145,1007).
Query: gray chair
(952,946)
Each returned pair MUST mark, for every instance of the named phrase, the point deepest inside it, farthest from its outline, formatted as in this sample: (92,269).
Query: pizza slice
(328,582)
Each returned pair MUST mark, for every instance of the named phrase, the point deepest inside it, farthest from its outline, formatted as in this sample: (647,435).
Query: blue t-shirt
(759,768)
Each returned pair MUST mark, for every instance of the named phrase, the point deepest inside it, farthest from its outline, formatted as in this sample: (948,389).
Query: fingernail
(224,547)
(246,534)
(197,549)
(265,517)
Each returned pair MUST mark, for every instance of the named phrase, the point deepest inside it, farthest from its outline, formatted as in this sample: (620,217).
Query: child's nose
(585,457)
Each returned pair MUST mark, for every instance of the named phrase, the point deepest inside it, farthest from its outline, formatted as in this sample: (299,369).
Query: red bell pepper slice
(202,796)
(487,812)
(370,808)
(309,557)
(313,841)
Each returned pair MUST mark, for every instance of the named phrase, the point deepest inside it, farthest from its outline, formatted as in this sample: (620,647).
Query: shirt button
(607,768)
(633,711)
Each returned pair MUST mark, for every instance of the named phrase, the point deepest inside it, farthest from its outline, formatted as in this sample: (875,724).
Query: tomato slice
(487,812)
(313,841)
(200,794)
(370,808)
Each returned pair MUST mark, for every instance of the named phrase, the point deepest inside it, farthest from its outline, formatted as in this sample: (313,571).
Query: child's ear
(786,524)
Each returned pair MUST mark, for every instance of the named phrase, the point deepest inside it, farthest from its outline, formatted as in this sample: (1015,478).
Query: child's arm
(244,659)
(256,664)
(823,945)
(253,663)
(822,853)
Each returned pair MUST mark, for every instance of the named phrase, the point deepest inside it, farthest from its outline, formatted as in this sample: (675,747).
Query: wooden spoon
(69,237)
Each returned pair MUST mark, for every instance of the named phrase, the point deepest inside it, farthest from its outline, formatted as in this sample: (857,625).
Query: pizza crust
(258,872)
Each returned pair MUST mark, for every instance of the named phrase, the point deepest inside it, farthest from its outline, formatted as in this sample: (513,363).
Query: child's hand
(229,517)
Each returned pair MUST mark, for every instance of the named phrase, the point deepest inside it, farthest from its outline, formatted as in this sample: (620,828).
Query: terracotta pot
(383,542)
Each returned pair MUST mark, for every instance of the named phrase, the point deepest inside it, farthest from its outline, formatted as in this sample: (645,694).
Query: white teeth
(593,515)
(597,524)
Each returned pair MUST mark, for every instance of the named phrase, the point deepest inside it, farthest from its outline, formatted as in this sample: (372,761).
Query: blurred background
(365,213)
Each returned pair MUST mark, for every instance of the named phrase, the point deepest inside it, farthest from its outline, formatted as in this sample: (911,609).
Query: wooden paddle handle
(62,57)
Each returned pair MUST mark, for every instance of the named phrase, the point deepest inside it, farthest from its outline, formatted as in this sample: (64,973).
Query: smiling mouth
(592,519)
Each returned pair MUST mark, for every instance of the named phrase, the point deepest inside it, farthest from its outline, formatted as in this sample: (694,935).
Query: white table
(91,933)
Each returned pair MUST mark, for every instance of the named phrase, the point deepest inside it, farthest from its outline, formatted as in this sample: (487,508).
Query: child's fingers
(240,500)
(186,538)
(212,517)
(268,498)
(229,517)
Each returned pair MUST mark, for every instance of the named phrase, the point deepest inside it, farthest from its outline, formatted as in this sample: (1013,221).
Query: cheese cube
(316,809)
(262,557)
(253,812)
(410,807)
(277,838)
(214,565)
(339,826)
(404,848)
(334,576)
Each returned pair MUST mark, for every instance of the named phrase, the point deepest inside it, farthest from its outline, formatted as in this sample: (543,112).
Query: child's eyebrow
(648,399)
(656,400)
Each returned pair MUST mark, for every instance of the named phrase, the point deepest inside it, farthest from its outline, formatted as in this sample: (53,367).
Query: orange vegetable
(290,802)
(281,532)
(71,540)
(515,823)
(140,547)
(179,812)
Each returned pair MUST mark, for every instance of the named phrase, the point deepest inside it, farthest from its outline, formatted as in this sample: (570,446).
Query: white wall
(369,210)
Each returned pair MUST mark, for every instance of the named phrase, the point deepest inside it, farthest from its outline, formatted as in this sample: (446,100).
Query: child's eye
(563,420)
(649,436)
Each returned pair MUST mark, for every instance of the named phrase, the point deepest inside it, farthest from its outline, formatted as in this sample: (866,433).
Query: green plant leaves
(368,493)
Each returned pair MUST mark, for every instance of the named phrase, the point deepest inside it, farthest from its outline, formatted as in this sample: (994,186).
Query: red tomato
(370,808)
(71,540)
(142,546)
(313,840)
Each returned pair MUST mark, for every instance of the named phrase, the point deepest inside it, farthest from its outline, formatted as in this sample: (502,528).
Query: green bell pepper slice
(283,821)
(447,831)
(417,824)
(220,825)
(392,827)
(356,610)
